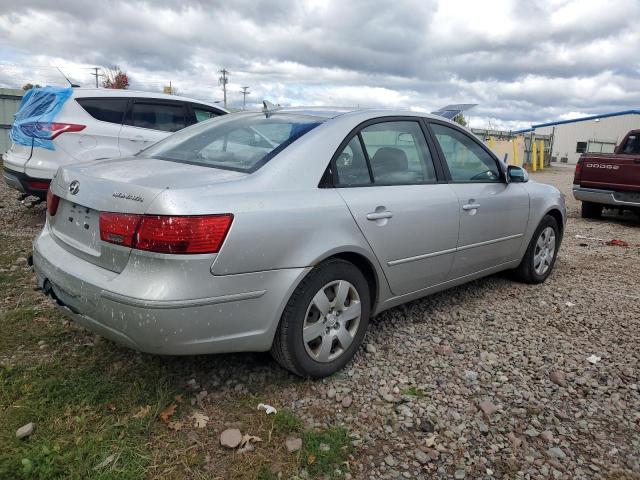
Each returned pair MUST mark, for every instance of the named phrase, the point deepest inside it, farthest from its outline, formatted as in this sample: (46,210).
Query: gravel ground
(487,380)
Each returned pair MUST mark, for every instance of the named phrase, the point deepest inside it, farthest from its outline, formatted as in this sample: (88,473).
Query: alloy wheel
(331,321)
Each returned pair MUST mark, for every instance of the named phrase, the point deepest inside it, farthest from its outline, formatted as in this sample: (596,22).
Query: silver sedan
(286,230)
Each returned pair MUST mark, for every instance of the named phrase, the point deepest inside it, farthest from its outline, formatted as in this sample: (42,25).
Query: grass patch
(414,392)
(285,423)
(83,410)
(325,451)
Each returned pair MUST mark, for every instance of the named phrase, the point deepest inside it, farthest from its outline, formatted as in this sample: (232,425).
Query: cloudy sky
(523,62)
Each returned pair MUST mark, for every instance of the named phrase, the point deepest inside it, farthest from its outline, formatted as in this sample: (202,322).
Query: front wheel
(540,257)
(324,321)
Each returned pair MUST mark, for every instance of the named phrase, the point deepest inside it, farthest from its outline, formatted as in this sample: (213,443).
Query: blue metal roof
(583,119)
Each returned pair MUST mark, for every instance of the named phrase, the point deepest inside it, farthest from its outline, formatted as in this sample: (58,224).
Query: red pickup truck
(609,180)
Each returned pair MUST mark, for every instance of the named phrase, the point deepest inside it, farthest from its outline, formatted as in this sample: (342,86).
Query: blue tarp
(39,106)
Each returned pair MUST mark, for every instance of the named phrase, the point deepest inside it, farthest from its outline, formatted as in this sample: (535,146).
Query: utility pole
(96,74)
(245,91)
(223,80)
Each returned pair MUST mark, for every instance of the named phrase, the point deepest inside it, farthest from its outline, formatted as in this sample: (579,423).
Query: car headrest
(388,160)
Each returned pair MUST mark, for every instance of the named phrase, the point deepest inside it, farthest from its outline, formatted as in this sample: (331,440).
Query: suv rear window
(110,110)
(243,143)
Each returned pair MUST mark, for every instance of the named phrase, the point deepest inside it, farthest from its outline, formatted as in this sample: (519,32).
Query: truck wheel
(591,210)
(540,257)
(324,321)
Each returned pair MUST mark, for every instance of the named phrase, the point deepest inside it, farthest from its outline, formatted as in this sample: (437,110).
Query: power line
(223,80)
(245,91)
(96,74)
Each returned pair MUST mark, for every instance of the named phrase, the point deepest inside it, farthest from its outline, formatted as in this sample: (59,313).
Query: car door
(387,176)
(493,213)
(149,121)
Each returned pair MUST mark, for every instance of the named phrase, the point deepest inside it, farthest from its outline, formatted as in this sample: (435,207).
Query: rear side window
(158,116)
(466,160)
(110,110)
(351,165)
(632,146)
(203,114)
(242,143)
(395,153)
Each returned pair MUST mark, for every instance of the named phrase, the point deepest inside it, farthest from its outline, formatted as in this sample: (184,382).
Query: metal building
(9,102)
(598,133)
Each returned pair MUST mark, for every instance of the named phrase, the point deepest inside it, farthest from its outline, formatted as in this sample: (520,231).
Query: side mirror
(517,174)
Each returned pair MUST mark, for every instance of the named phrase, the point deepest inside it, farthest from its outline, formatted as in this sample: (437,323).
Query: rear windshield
(243,143)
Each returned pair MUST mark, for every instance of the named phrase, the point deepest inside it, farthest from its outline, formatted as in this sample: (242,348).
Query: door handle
(379,215)
(471,206)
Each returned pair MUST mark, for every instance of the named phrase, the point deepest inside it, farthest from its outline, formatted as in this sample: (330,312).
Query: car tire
(529,270)
(308,358)
(591,210)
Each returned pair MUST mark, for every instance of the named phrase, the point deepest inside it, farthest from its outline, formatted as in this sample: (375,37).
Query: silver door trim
(489,242)
(400,261)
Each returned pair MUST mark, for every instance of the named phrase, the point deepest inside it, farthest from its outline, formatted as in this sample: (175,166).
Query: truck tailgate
(611,172)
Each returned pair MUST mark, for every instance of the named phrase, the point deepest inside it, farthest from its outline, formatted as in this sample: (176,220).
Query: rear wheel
(591,210)
(540,257)
(324,321)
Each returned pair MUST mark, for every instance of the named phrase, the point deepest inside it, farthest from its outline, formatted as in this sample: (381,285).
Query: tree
(116,78)
(29,86)
(460,120)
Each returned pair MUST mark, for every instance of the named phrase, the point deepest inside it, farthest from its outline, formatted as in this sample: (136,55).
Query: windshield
(243,143)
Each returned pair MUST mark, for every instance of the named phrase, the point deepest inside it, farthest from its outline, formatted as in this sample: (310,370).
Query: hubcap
(331,321)
(544,251)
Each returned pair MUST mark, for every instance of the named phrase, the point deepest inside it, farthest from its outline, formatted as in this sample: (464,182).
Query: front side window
(105,109)
(243,143)
(158,116)
(581,147)
(467,161)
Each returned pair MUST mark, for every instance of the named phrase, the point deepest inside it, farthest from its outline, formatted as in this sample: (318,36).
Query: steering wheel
(485,173)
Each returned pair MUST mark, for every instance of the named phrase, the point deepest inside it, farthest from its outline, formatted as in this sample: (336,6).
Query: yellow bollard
(491,144)
(515,152)
(534,156)
(541,154)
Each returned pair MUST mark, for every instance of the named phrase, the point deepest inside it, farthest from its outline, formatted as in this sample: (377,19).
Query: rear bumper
(24,183)
(240,313)
(604,197)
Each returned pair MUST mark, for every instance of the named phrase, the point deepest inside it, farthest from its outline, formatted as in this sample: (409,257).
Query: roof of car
(113,92)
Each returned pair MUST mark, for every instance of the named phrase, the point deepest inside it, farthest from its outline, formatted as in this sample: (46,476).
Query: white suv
(59,126)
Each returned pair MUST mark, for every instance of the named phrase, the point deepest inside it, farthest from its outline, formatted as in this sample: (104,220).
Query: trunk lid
(127,185)
(611,171)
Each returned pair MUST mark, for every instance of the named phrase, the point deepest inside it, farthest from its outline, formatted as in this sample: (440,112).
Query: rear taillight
(118,228)
(52,202)
(578,173)
(38,184)
(49,130)
(166,234)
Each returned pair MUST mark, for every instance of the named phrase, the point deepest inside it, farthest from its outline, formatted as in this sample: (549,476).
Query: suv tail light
(578,173)
(49,130)
(52,202)
(166,234)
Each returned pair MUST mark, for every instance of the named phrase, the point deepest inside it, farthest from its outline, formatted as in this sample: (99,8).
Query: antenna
(269,108)
(65,77)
